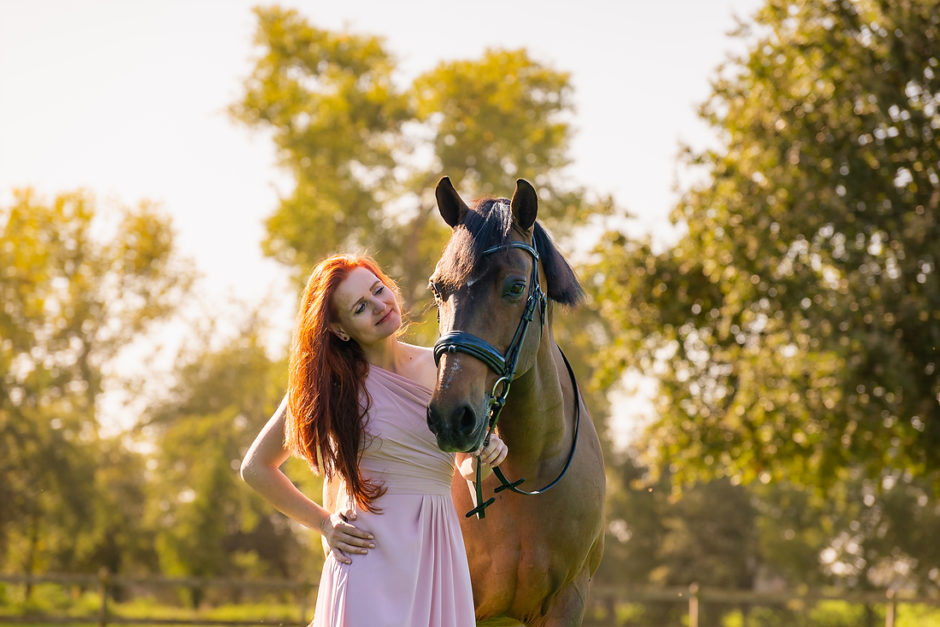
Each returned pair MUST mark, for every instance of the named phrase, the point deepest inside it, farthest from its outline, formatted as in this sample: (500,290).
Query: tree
(336,116)
(365,154)
(208,523)
(495,118)
(707,534)
(794,326)
(116,536)
(77,284)
(861,536)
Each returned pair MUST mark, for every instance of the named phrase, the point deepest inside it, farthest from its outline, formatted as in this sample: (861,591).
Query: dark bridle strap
(505,484)
(504,365)
(463,342)
(522,245)
(513,486)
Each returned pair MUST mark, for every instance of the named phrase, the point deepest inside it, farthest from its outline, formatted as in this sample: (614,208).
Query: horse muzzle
(459,429)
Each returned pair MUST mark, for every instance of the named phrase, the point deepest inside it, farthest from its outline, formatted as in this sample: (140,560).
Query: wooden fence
(692,598)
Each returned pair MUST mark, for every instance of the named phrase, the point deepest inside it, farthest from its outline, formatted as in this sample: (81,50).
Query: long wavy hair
(326,387)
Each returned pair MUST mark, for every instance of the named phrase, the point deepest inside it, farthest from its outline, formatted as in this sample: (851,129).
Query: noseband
(504,365)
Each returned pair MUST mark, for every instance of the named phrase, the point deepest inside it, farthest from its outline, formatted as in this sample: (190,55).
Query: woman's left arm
(493,454)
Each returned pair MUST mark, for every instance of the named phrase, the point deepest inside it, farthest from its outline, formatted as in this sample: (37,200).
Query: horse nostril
(468,422)
(432,422)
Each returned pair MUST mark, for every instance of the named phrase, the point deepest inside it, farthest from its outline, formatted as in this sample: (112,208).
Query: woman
(356,410)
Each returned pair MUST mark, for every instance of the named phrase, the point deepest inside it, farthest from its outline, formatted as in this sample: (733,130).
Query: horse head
(491,307)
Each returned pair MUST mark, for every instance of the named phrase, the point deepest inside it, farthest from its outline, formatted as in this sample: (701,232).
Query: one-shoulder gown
(417,574)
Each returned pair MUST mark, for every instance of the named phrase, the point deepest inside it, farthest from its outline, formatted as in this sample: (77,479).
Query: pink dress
(417,574)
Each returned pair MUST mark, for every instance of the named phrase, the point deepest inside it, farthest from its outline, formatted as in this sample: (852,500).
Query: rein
(504,365)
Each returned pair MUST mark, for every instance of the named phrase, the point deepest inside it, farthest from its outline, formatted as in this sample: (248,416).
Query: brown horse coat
(531,557)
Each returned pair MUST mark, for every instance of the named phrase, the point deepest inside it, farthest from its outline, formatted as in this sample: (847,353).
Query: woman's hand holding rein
(492,454)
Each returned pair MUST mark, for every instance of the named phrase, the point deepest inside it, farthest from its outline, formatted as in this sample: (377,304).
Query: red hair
(326,387)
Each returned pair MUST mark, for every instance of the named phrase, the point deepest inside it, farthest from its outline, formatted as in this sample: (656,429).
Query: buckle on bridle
(500,398)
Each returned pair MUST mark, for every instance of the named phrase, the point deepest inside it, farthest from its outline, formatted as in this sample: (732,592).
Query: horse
(532,553)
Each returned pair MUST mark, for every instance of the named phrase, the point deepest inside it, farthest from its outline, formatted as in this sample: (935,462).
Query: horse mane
(487,225)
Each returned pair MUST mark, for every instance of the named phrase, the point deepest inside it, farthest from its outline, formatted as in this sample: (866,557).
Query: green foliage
(496,118)
(208,523)
(113,537)
(706,534)
(794,326)
(823,614)
(882,534)
(862,536)
(57,600)
(793,526)
(77,284)
(335,114)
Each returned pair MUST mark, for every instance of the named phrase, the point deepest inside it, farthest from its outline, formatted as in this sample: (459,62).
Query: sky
(127,99)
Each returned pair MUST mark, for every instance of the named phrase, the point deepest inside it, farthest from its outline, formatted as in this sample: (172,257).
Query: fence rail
(692,596)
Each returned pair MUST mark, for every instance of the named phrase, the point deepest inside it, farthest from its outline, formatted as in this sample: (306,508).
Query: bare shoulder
(420,365)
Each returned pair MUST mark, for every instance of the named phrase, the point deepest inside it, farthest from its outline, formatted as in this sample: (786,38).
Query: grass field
(61,602)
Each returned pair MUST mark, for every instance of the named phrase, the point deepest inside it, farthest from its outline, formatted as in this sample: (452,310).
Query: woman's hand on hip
(344,538)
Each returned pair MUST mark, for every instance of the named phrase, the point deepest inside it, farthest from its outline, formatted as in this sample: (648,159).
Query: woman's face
(366,309)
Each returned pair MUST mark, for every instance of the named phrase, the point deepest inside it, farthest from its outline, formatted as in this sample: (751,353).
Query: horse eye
(516,288)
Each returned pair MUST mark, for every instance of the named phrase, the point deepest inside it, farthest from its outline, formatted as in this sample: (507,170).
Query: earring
(342,336)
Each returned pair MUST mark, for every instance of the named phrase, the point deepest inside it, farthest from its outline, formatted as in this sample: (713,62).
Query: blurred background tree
(365,154)
(207,523)
(77,284)
(794,325)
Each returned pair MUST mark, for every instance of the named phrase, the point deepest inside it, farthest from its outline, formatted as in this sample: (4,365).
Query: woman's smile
(385,317)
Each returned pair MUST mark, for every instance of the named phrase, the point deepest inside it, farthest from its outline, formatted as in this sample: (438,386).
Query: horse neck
(533,420)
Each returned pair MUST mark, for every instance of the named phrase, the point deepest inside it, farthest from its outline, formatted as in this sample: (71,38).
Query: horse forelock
(489,224)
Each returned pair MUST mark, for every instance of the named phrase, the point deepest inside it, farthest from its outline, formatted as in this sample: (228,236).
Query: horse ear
(449,202)
(525,204)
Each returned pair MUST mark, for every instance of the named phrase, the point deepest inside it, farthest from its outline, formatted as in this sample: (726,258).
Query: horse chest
(518,554)
(511,571)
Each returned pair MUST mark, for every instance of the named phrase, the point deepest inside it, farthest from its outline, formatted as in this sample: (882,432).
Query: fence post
(304,593)
(892,610)
(610,607)
(103,584)
(694,594)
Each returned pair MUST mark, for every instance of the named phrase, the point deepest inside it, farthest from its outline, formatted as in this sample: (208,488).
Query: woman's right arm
(261,469)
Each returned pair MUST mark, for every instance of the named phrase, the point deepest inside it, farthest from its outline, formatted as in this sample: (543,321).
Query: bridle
(504,365)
